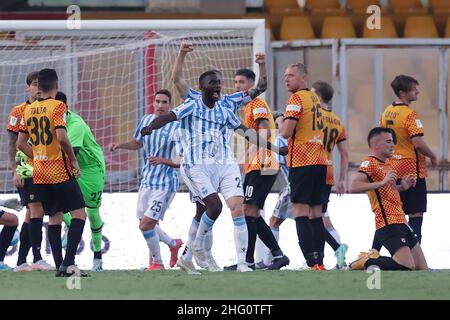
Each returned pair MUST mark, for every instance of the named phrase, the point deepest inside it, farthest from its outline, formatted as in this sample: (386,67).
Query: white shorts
(153,203)
(205,179)
(283,208)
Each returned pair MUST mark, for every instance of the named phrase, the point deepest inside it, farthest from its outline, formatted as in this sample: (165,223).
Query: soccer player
(333,135)
(160,180)
(303,126)
(379,179)
(55,168)
(90,158)
(257,115)
(10,223)
(31,230)
(410,150)
(208,167)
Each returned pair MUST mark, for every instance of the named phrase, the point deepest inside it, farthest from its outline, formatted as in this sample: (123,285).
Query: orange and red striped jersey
(40,121)
(385,201)
(263,158)
(14,117)
(406,124)
(306,144)
(333,133)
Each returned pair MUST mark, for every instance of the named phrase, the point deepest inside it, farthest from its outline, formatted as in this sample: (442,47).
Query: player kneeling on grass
(376,177)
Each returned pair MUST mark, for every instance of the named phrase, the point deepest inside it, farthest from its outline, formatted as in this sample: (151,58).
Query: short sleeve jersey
(40,121)
(385,201)
(306,144)
(263,159)
(333,133)
(406,124)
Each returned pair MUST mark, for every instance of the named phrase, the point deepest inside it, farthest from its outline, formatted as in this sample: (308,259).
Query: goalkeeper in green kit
(92,179)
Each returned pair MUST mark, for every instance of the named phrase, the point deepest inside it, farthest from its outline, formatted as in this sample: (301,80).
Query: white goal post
(111,69)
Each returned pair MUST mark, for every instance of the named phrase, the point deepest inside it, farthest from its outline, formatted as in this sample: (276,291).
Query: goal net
(110,71)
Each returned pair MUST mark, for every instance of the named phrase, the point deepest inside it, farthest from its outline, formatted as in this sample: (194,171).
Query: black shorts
(28,192)
(60,197)
(415,199)
(257,187)
(326,198)
(308,184)
(395,236)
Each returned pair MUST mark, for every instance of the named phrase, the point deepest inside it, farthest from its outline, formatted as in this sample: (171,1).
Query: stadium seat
(319,15)
(338,27)
(276,16)
(420,27)
(361,5)
(296,27)
(387,29)
(405,4)
(280,4)
(322,4)
(447,28)
(439,4)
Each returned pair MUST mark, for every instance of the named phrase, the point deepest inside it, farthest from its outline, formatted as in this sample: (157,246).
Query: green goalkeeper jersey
(90,154)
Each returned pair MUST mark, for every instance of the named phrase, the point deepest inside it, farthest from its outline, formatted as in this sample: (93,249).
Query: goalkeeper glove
(25,170)
(21,157)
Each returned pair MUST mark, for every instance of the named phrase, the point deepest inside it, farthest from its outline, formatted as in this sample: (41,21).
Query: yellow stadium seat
(439,4)
(318,16)
(276,16)
(420,27)
(338,27)
(387,29)
(405,4)
(447,28)
(296,27)
(280,4)
(322,4)
(361,5)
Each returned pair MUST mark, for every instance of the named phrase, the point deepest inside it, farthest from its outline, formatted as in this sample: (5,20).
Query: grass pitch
(177,285)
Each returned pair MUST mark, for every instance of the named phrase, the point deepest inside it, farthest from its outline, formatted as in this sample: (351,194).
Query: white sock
(152,239)
(209,241)
(204,227)
(268,257)
(240,238)
(187,255)
(164,237)
(334,234)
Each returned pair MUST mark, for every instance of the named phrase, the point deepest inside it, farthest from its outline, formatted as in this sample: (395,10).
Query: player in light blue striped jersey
(160,179)
(208,166)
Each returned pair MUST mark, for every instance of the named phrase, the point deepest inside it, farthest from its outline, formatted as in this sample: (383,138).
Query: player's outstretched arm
(254,138)
(177,72)
(262,81)
(129,145)
(159,122)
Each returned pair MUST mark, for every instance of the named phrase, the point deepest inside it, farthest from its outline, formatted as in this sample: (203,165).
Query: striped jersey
(233,101)
(204,132)
(161,143)
(282,142)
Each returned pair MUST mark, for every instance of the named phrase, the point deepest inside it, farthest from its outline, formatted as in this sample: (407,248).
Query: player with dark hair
(410,150)
(55,169)
(379,179)
(160,179)
(31,230)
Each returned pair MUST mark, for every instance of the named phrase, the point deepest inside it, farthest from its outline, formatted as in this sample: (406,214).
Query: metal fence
(361,71)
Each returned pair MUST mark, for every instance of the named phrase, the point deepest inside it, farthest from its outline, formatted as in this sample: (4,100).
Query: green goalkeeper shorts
(91,183)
